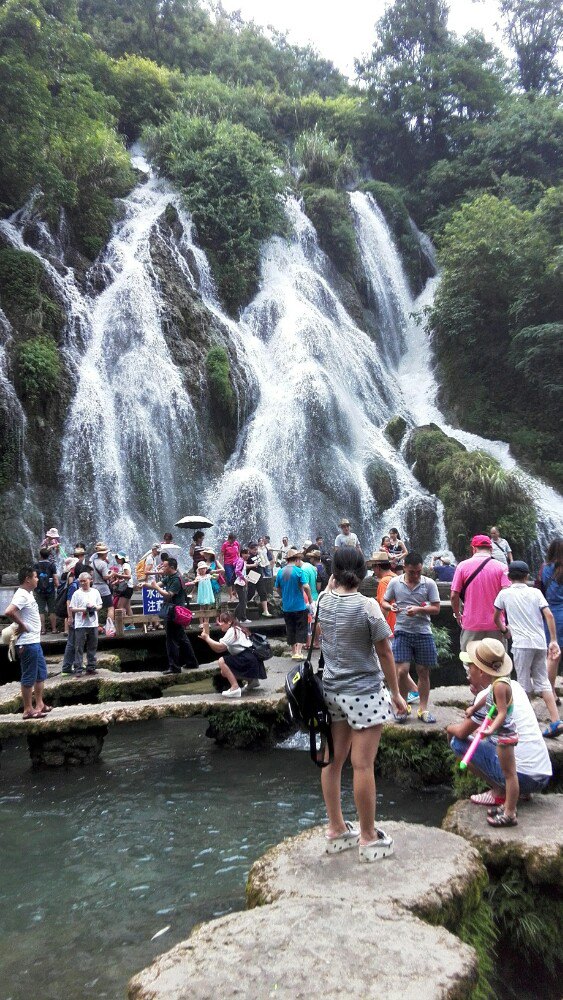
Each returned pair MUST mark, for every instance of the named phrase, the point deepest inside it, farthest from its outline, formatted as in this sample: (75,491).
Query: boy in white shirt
(526,610)
(84,606)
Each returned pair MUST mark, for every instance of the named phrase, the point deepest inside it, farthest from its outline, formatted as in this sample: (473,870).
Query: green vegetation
(231,187)
(407,758)
(38,369)
(395,430)
(242,729)
(330,213)
(497,307)
(218,375)
(23,296)
(528,917)
(443,641)
(474,489)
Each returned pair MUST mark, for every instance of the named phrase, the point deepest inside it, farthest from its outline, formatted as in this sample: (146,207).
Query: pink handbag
(182,615)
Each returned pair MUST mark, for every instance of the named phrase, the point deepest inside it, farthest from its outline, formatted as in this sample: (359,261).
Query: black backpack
(261,646)
(45,584)
(307,707)
(61,599)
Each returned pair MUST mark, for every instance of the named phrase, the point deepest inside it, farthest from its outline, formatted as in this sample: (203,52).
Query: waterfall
(414,372)
(315,390)
(324,395)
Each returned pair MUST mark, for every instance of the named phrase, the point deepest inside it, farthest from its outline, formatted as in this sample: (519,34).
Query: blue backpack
(46,584)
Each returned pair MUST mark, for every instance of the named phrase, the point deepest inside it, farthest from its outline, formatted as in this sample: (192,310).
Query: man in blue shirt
(296,597)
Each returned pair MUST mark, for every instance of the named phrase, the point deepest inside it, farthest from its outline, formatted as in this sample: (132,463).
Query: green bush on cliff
(231,185)
(329,211)
(26,304)
(38,368)
(218,376)
(475,490)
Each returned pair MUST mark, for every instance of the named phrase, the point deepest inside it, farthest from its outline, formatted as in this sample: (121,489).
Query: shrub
(38,368)
(218,376)
(329,211)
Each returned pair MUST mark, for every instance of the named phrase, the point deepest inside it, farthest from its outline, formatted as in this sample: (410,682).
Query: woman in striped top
(358,659)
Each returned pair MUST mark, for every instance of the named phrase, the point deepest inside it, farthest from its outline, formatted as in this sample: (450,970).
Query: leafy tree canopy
(534,29)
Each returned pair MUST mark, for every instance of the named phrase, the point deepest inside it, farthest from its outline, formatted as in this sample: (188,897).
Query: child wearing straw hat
(488,657)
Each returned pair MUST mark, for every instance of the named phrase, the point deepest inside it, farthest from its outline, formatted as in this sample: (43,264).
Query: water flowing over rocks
(331,921)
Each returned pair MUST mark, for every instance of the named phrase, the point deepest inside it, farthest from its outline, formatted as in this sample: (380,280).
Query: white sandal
(383,847)
(344,842)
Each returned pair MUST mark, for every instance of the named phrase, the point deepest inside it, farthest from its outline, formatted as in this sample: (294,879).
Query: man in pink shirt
(476,583)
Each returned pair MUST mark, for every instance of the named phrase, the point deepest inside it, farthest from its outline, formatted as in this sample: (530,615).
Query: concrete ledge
(336,928)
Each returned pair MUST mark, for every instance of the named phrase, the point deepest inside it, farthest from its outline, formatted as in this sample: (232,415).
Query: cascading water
(414,372)
(321,389)
(304,458)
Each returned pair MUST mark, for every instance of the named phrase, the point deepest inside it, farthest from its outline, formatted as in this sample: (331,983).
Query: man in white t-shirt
(25,612)
(346,538)
(501,550)
(152,561)
(84,605)
(526,610)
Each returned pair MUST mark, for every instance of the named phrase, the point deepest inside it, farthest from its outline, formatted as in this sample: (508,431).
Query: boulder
(395,430)
(294,950)
(382,481)
(534,846)
(335,927)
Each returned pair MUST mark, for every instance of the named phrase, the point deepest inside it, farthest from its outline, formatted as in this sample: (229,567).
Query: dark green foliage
(382,481)
(242,729)
(23,295)
(465,783)
(404,757)
(499,286)
(329,211)
(231,188)
(528,917)
(477,928)
(474,489)
(38,369)
(443,641)
(223,399)
(534,30)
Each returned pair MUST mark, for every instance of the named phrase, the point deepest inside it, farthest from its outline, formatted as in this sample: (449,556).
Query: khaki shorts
(531,669)
(471,635)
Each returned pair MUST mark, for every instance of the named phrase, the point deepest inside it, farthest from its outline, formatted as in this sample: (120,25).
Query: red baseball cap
(481,542)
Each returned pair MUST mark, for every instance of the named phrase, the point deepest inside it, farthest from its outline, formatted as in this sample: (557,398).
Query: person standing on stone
(296,598)
(256,586)
(476,583)
(241,588)
(196,548)
(527,612)
(346,537)
(501,550)
(414,598)
(230,551)
(70,648)
(396,546)
(178,647)
(101,576)
(358,659)
(381,564)
(52,541)
(46,590)
(24,612)
(283,550)
(83,606)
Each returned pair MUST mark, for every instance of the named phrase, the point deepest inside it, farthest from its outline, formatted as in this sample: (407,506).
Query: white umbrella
(194,521)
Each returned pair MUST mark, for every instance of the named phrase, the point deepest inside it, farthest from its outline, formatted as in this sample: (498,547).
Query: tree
(534,29)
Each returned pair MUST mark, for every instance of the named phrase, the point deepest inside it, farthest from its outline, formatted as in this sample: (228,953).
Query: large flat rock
(429,874)
(295,950)
(537,841)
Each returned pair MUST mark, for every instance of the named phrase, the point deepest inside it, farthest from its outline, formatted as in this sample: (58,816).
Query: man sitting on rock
(533,766)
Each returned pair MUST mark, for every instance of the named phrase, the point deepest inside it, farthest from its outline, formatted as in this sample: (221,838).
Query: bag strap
(318,755)
(312,642)
(475,573)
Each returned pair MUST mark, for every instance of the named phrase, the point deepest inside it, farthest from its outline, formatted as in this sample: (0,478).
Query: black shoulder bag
(307,707)
(475,573)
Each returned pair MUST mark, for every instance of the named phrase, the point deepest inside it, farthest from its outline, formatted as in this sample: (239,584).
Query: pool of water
(106,867)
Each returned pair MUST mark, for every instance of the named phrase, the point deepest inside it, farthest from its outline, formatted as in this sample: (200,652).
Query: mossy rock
(395,430)
(414,757)
(382,481)
(248,728)
(425,448)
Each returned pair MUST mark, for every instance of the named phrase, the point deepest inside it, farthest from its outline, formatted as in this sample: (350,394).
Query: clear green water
(161,834)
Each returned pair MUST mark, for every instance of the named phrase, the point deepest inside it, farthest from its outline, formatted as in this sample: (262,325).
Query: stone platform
(335,928)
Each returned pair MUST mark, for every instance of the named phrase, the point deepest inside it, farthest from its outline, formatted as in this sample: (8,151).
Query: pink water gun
(481,732)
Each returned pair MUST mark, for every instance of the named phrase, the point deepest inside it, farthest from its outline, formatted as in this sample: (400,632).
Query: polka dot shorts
(360,711)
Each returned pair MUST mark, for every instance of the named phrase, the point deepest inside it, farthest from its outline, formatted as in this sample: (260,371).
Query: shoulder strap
(475,573)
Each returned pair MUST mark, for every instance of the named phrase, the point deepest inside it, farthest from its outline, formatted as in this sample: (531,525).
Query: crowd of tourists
(368,644)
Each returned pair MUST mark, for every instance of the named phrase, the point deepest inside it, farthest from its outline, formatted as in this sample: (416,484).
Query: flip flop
(553,730)
(33,715)
(46,709)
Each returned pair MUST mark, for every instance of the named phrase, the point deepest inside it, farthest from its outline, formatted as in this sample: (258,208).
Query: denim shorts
(415,647)
(230,574)
(486,760)
(32,662)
